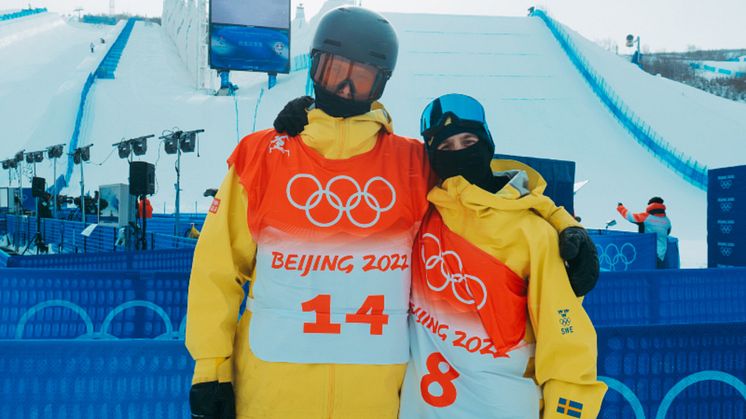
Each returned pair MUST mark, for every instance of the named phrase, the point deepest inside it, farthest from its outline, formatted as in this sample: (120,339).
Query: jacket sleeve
(558,217)
(566,352)
(223,261)
(635,218)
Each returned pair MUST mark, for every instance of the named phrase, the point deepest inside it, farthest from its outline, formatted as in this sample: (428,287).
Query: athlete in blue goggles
(453,109)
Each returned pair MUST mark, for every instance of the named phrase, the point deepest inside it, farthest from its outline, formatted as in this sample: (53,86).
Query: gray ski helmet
(358,34)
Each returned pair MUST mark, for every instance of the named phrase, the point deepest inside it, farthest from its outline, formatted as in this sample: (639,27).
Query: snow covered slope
(45,62)
(537,103)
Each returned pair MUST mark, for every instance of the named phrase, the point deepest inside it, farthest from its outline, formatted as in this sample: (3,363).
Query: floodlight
(140,145)
(171,142)
(55,151)
(29,157)
(38,156)
(19,156)
(188,141)
(86,152)
(123,149)
(6,165)
(82,154)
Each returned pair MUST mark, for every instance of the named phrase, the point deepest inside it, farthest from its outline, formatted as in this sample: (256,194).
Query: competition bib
(467,323)
(333,263)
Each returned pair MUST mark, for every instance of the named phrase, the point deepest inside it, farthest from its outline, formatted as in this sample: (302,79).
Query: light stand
(19,163)
(33,158)
(81,155)
(55,152)
(176,143)
(125,148)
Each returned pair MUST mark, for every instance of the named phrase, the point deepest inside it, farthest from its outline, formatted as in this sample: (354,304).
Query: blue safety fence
(65,236)
(660,297)
(68,304)
(99,20)
(76,129)
(108,65)
(680,371)
(300,62)
(686,167)
(164,223)
(22,13)
(133,379)
(688,371)
(173,260)
(642,298)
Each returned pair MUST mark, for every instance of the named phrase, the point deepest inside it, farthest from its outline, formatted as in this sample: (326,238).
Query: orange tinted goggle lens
(333,72)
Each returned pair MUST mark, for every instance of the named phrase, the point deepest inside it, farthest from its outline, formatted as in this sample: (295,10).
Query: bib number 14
(370,312)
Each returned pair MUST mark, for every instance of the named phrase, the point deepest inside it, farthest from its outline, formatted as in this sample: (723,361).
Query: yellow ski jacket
(505,225)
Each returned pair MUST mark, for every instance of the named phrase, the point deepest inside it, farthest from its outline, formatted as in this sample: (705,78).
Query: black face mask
(338,106)
(473,163)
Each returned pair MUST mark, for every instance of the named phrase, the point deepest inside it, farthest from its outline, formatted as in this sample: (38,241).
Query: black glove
(581,257)
(212,400)
(293,117)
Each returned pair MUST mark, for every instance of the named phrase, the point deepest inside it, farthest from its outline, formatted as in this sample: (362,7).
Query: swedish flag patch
(569,407)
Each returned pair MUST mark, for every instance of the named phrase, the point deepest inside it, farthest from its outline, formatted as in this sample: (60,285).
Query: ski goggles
(461,110)
(349,79)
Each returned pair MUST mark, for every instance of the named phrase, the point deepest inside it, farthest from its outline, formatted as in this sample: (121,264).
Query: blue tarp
(726,217)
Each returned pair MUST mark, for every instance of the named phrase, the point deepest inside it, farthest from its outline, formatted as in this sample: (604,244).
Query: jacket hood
(524,191)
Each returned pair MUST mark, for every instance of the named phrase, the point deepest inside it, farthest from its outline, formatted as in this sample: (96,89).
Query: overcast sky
(670,25)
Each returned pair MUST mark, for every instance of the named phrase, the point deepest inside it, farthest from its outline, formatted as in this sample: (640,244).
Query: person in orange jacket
(322,225)
(653,220)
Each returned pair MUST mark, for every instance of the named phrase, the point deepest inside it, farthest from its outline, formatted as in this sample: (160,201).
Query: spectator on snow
(653,220)
(92,47)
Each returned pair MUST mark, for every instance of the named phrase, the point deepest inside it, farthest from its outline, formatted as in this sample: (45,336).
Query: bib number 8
(443,379)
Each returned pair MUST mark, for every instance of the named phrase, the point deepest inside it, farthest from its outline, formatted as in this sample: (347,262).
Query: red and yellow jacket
(496,326)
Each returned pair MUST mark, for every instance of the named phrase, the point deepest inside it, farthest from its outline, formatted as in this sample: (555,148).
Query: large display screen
(250,35)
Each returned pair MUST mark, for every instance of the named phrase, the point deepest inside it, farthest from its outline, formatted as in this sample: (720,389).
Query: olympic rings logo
(726,184)
(452,278)
(343,207)
(614,258)
(726,206)
(726,250)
